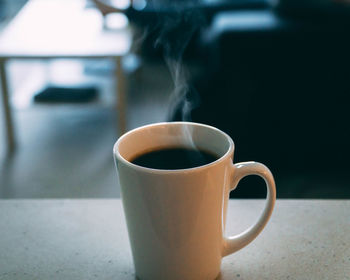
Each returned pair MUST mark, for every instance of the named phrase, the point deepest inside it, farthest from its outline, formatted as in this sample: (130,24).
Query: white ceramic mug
(176,218)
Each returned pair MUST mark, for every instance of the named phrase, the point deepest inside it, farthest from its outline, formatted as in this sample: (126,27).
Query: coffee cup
(176,215)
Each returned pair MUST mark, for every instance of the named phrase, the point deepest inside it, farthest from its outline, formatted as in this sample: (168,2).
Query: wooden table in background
(87,239)
(56,29)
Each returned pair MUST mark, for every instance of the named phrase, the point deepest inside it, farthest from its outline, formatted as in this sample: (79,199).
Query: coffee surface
(174,158)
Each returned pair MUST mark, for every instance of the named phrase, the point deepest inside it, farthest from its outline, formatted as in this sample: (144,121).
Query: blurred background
(76,74)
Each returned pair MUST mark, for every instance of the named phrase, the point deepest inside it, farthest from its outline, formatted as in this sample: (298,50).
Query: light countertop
(87,239)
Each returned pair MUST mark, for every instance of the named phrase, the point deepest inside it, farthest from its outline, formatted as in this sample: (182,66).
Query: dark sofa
(280,87)
(278,81)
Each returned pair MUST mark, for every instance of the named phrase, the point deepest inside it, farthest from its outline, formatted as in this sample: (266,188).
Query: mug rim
(163,171)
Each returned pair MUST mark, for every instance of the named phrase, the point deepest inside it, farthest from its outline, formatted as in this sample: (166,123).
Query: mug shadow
(219,277)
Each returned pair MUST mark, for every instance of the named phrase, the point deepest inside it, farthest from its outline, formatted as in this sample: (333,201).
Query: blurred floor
(65,150)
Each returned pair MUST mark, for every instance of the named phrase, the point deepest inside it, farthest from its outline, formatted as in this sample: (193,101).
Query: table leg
(121,95)
(7,108)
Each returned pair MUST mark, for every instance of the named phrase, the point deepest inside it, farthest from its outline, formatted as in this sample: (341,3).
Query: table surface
(87,239)
(56,28)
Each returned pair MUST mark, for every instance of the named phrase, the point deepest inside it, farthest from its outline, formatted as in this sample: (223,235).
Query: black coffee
(174,158)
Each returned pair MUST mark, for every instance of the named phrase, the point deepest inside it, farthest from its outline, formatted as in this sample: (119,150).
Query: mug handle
(240,170)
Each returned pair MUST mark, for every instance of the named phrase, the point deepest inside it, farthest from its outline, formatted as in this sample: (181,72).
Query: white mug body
(176,218)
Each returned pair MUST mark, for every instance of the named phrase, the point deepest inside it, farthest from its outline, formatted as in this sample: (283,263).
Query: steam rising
(177,22)
(175,32)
